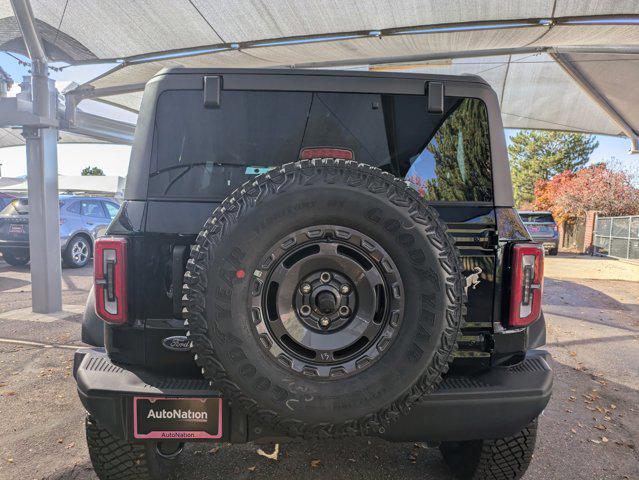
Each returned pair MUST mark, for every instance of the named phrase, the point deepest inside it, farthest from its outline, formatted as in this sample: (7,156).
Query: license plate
(13,228)
(177,418)
(534,229)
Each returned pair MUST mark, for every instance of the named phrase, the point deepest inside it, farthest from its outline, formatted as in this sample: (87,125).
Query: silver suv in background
(542,229)
(82,220)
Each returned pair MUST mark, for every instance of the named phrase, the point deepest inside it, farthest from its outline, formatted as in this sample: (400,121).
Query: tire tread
(230,211)
(501,459)
(114,459)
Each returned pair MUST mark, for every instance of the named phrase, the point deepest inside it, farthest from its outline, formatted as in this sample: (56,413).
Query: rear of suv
(543,230)
(315,255)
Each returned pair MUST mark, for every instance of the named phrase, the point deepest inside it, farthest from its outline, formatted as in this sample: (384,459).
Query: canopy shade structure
(555,64)
(11,138)
(104,184)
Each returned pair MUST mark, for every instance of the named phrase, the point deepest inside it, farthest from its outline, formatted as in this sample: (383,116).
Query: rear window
(537,217)
(205,153)
(19,206)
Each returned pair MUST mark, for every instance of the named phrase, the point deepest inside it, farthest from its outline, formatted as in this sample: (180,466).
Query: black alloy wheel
(332,298)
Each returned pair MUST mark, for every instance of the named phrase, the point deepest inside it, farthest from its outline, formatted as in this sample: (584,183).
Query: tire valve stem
(324,322)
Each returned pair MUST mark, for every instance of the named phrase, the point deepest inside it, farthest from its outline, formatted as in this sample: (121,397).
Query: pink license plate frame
(177,434)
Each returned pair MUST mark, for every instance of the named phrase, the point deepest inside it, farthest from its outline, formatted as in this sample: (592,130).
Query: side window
(111,209)
(74,208)
(92,208)
(455,163)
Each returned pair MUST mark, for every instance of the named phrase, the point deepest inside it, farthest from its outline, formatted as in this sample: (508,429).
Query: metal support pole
(44,220)
(42,175)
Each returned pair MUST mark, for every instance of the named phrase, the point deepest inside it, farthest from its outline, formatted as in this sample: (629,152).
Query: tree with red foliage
(571,194)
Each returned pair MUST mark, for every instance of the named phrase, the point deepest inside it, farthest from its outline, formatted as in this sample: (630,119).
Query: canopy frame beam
(587,87)
(42,174)
(424,29)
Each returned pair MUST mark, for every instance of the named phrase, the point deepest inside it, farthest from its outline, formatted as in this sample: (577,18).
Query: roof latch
(212,87)
(435,93)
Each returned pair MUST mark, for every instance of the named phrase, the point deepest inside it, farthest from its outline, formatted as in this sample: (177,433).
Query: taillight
(109,267)
(527,284)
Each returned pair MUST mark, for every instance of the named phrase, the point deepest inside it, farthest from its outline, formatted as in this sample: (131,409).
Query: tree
(460,151)
(571,194)
(536,155)
(92,171)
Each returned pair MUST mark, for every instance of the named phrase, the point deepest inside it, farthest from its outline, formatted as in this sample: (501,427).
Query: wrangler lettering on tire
(325,321)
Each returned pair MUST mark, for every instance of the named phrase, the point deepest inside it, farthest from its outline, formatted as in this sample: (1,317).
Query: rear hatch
(14,222)
(199,155)
(539,225)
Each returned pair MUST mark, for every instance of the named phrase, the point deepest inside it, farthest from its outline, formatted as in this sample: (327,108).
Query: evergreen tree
(537,155)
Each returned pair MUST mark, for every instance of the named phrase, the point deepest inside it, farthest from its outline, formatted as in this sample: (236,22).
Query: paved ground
(589,431)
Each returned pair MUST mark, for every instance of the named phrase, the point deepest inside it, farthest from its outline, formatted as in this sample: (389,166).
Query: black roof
(327,73)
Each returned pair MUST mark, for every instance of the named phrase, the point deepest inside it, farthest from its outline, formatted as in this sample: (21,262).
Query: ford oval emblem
(178,343)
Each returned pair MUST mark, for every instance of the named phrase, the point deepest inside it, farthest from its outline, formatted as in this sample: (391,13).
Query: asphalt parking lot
(590,429)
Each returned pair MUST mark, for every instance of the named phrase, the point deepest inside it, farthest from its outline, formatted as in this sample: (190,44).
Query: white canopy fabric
(513,44)
(107,184)
(10,137)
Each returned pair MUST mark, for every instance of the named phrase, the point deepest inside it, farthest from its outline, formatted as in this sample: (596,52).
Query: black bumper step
(496,403)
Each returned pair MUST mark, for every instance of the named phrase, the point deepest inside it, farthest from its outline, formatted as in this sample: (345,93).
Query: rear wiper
(199,164)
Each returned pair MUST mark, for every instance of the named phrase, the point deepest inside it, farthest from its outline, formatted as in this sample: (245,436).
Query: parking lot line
(38,344)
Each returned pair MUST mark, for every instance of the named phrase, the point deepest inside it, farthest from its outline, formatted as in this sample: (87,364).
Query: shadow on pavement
(7,283)
(338,459)
(567,293)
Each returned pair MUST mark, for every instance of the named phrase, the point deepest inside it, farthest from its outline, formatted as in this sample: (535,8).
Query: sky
(114,159)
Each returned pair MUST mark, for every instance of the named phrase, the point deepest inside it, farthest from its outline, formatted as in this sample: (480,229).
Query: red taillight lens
(326,152)
(109,271)
(527,284)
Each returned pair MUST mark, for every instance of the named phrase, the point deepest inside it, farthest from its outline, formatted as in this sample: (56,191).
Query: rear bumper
(494,404)
(14,244)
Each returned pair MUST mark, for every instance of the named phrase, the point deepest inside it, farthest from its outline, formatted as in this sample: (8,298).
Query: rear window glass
(205,153)
(74,208)
(19,206)
(537,217)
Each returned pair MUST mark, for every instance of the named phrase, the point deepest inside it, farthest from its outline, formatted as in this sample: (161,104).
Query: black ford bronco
(315,254)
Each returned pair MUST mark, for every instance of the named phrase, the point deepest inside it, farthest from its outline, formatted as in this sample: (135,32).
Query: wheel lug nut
(344,311)
(305,288)
(325,277)
(305,310)
(345,289)
(324,322)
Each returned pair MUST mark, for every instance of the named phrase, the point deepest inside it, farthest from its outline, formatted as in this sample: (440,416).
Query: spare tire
(324,298)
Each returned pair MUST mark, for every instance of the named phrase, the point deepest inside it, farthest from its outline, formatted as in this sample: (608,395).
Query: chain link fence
(617,237)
